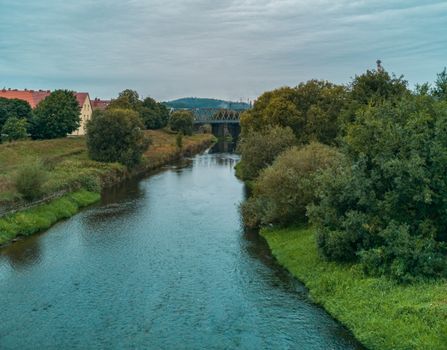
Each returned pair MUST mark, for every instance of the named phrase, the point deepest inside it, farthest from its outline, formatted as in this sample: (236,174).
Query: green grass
(380,313)
(40,218)
(68,165)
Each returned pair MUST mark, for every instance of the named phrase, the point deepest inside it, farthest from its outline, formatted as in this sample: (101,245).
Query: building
(34,97)
(98,104)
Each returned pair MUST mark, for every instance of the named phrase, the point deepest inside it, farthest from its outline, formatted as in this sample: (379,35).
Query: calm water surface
(161,263)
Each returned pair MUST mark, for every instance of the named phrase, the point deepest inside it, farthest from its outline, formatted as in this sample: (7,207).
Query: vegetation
(376,257)
(283,190)
(125,128)
(388,206)
(56,116)
(182,121)
(14,108)
(30,179)
(40,218)
(311,110)
(14,129)
(153,114)
(260,148)
(380,313)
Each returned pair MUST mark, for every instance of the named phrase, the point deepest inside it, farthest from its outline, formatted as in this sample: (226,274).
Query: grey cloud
(227,49)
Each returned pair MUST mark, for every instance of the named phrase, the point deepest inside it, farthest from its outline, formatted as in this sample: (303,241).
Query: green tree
(56,116)
(15,129)
(14,108)
(154,115)
(440,88)
(127,99)
(116,136)
(260,148)
(311,110)
(182,121)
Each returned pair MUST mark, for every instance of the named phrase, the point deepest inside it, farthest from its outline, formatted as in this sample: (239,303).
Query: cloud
(228,49)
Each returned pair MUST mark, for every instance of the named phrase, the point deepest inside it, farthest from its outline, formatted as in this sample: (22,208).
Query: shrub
(30,179)
(90,182)
(116,136)
(15,129)
(387,206)
(182,121)
(284,189)
(260,148)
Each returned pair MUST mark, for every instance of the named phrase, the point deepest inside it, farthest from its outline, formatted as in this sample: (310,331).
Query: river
(161,263)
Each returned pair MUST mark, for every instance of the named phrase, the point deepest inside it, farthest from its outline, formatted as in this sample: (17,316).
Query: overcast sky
(220,48)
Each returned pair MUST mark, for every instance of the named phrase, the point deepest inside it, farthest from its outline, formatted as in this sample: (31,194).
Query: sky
(229,49)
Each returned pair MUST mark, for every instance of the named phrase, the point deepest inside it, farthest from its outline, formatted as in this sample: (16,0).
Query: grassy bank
(40,218)
(68,166)
(70,171)
(380,313)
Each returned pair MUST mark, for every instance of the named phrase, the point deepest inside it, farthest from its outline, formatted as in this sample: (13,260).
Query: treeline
(364,163)
(56,116)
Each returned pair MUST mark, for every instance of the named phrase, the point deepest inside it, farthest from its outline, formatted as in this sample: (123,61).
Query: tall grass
(380,313)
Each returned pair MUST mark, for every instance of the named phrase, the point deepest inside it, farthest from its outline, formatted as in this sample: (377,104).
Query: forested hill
(195,102)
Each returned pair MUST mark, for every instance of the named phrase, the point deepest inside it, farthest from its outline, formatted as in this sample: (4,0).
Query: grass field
(380,313)
(67,163)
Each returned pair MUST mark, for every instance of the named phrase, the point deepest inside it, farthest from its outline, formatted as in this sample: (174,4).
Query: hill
(195,102)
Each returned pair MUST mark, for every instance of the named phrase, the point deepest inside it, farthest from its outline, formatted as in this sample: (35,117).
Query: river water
(161,263)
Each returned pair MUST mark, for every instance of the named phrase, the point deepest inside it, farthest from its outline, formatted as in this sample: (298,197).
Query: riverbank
(69,170)
(381,314)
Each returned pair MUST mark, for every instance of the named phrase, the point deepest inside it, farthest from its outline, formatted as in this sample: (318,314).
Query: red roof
(34,97)
(100,104)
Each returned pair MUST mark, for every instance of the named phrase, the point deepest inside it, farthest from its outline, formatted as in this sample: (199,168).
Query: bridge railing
(213,115)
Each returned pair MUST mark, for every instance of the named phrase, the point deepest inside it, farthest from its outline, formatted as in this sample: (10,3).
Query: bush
(182,121)
(30,179)
(283,190)
(15,129)
(260,148)
(116,136)
(387,206)
(90,182)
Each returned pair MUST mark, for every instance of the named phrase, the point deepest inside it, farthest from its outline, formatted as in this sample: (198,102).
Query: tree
(311,110)
(440,88)
(154,115)
(116,136)
(14,108)
(260,148)
(182,121)
(15,129)
(56,116)
(127,99)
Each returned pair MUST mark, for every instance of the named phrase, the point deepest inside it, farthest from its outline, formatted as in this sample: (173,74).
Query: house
(34,97)
(98,104)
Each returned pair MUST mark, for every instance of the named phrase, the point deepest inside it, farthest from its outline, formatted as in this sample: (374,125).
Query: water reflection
(22,254)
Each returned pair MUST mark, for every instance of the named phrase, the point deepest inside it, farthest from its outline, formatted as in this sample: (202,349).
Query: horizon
(229,51)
